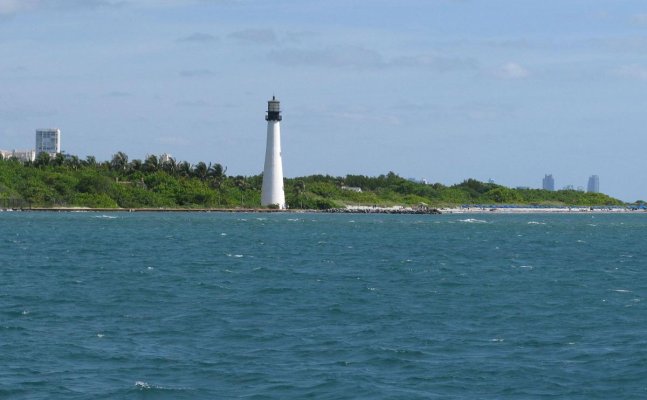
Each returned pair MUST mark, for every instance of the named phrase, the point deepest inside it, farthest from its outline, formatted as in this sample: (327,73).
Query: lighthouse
(272,190)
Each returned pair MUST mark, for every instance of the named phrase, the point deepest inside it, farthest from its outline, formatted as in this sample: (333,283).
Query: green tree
(119,162)
(151,164)
(42,159)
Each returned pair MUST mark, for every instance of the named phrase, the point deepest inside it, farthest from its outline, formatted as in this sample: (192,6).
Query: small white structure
(164,158)
(48,141)
(272,193)
(20,155)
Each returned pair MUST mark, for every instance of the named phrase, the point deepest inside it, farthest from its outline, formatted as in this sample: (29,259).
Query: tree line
(161,181)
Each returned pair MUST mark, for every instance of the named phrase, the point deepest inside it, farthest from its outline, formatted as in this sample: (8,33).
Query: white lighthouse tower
(272,191)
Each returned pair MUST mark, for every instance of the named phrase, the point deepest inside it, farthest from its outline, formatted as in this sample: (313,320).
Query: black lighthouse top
(273,110)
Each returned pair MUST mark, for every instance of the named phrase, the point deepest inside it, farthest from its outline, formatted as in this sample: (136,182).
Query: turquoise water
(210,306)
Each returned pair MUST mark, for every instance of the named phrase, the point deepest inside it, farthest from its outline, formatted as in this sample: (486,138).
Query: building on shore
(594,184)
(165,157)
(548,182)
(48,141)
(20,155)
(272,193)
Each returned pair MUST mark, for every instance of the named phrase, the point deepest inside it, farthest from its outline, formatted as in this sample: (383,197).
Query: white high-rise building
(594,184)
(48,141)
(272,193)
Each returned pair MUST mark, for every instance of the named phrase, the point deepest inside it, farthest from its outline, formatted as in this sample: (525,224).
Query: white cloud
(199,37)
(8,7)
(633,71)
(335,56)
(436,62)
(639,18)
(258,36)
(363,58)
(512,70)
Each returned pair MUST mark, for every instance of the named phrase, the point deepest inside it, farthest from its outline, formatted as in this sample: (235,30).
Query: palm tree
(90,161)
(119,161)
(201,171)
(151,164)
(241,184)
(216,171)
(299,188)
(135,165)
(72,162)
(184,169)
(170,166)
(58,160)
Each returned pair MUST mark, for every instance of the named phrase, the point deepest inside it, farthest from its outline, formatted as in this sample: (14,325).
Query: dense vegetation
(71,182)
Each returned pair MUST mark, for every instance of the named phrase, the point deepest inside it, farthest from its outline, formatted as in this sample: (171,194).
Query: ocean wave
(473,221)
(142,385)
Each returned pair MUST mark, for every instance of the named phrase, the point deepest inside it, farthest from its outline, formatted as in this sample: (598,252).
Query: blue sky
(439,89)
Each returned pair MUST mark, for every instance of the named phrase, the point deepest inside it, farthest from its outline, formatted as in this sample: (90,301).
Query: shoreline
(355,210)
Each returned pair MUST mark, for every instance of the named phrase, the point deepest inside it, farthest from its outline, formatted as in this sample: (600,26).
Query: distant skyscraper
(548,183)
(594,184)
(48,141)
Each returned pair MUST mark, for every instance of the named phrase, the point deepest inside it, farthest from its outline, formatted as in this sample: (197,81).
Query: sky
(444,90)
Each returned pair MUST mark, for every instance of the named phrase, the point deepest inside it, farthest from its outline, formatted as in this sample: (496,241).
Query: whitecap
(100,335)
(473,221)
(238,256)
(536,223)
(142,385)
(497,340)
(223,234)
(526,266)
(622,290)
(105,216)
(25,312)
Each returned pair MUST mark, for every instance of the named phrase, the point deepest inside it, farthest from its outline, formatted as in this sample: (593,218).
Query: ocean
(324,306)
